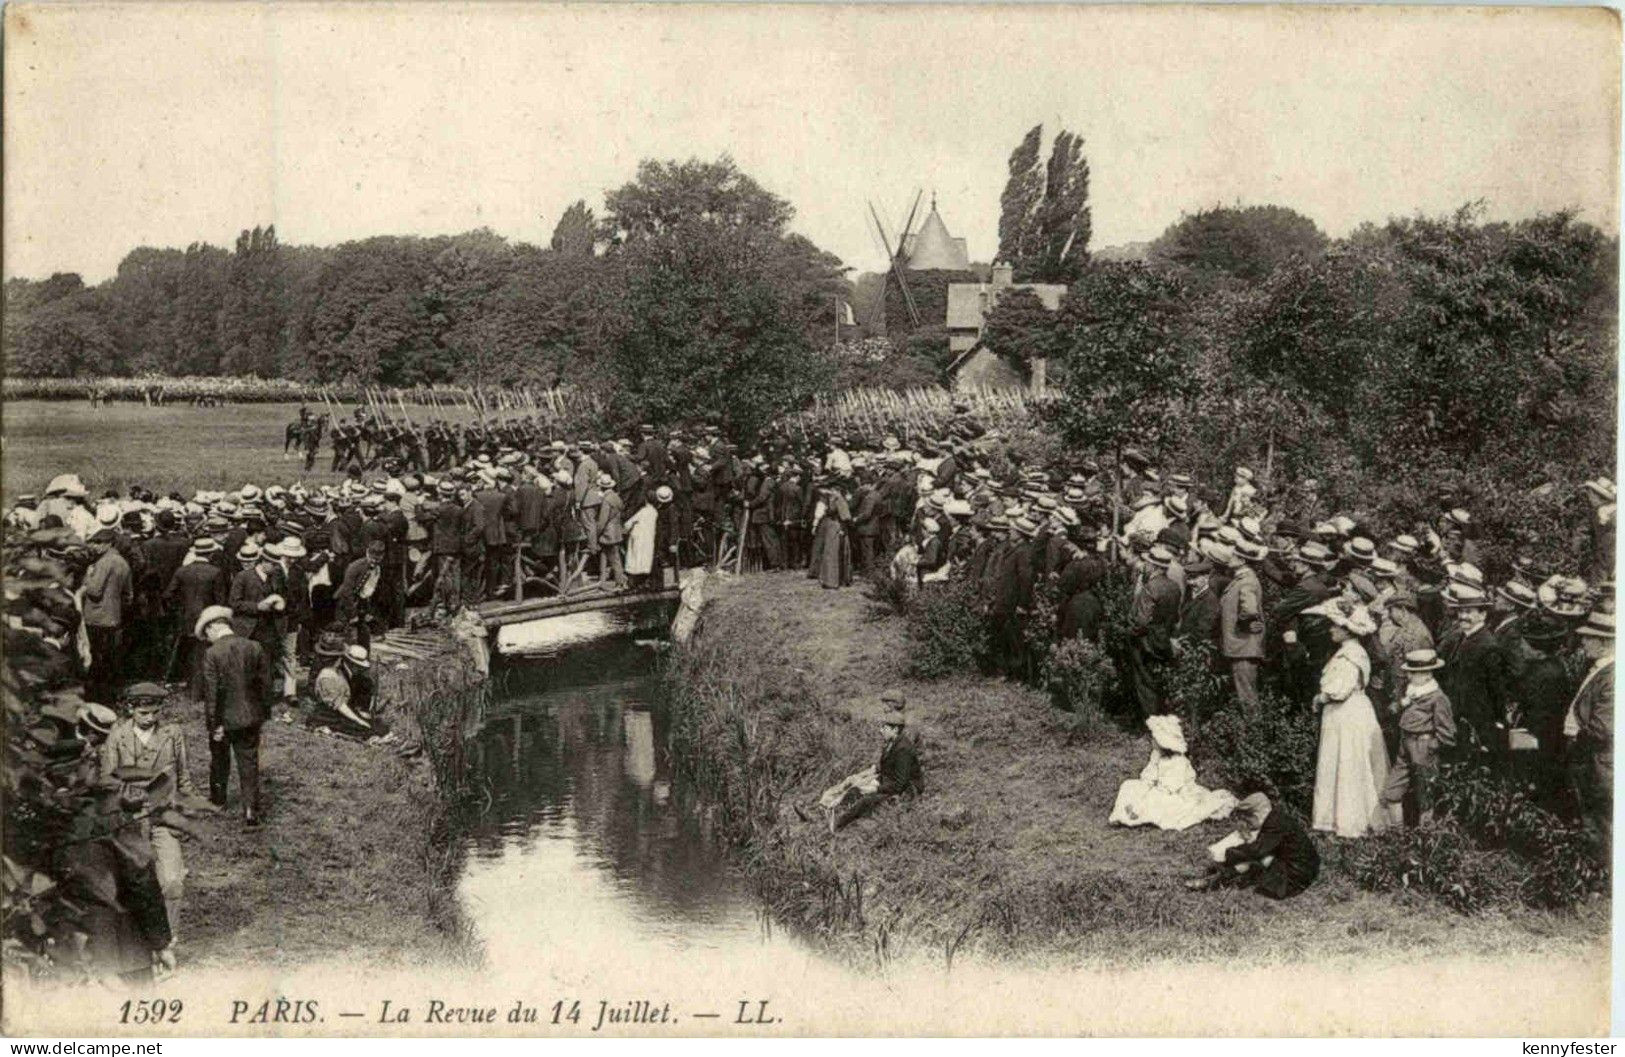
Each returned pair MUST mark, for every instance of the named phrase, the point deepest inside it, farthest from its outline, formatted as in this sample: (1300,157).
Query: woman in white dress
(1353,762)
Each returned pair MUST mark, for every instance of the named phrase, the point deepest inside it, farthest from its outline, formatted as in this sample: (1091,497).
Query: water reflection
(579,834)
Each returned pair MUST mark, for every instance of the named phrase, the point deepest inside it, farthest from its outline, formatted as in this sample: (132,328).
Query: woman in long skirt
(831,563)
(1353,763)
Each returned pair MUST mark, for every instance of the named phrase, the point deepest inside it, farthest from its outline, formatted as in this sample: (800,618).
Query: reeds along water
(745,775)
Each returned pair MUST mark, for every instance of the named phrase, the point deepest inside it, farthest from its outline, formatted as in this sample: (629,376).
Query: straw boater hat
(358,656)
(1159,556)
(1422,661)
(1598,625)
(663,494)
(1521,595)
(1252,810)
(1464,596)
(210,615)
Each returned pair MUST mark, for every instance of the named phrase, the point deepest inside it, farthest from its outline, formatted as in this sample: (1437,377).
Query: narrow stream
(580,845)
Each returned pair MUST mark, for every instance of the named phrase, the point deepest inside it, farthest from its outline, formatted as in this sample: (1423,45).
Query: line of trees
(691,291)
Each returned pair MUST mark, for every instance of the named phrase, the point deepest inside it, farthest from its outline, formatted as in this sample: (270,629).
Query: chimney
(1003,275)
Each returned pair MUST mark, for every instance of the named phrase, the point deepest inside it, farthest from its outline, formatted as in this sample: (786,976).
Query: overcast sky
(132,125)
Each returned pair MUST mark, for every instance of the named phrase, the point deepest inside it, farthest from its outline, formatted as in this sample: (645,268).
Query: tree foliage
(1019,327)
(1044,217)
(1124,335)
(1023,193)
(1237,244)
(576,233)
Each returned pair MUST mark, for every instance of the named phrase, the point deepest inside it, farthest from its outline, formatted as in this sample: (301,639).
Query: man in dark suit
(1477,679)
(651,453)
(496,510)
(530,503)
(1155,614)
(161,556)
(1199,618)
(471,545)
(253,597)
(194,587)
(236,703)
(865,522)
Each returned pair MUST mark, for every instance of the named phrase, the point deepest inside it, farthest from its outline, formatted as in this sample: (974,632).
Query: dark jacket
(1200,619)
(236,684)
(193,589)
(445,533)
(1081,617)
(899,768)
(529,502)
(1296,860)
(1478,683)
(498,505)
(244,596)
(1156,612)
(471,527)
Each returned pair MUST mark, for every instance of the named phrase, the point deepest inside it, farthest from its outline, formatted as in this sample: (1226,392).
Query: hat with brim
(1404,544)
(1159,556)
(1544,631)
(1166,733)
(1360,549)
(99,718)
(1598,625)
(1250,551)
(358,656)
(209,616)
(1252,810)
(1463,596)
(1422,661)
(1516,594)
(331,644)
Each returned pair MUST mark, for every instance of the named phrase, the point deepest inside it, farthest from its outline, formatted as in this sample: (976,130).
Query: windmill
(894,249)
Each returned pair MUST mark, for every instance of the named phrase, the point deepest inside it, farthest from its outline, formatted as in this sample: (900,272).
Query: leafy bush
(1080,676)
(1274,749)
(890,594)
(946,632)
(1564,864)
(1196,685)
(1440,861)
(1490,845)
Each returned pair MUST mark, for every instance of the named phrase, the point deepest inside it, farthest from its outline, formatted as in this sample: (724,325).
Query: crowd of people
(271,594)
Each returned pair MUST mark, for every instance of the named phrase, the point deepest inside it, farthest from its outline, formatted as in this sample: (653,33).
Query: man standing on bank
(236,703)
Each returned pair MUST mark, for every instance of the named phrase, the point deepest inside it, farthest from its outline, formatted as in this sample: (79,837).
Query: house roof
(965,301)
(933,249)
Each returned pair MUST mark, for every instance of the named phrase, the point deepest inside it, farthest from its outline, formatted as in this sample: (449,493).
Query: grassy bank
(1008,851)
(350,864)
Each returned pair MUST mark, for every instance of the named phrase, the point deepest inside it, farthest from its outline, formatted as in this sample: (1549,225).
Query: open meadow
(174,448)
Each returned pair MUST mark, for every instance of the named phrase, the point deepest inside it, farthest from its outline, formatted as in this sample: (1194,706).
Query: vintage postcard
(756,520)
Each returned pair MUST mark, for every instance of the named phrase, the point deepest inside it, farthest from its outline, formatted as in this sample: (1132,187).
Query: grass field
(162,448)
(1008,851)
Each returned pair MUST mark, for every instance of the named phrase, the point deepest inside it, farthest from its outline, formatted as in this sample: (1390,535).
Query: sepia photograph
(801,520)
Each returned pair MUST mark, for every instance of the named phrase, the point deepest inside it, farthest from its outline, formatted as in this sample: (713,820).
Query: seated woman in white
(1167,794)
